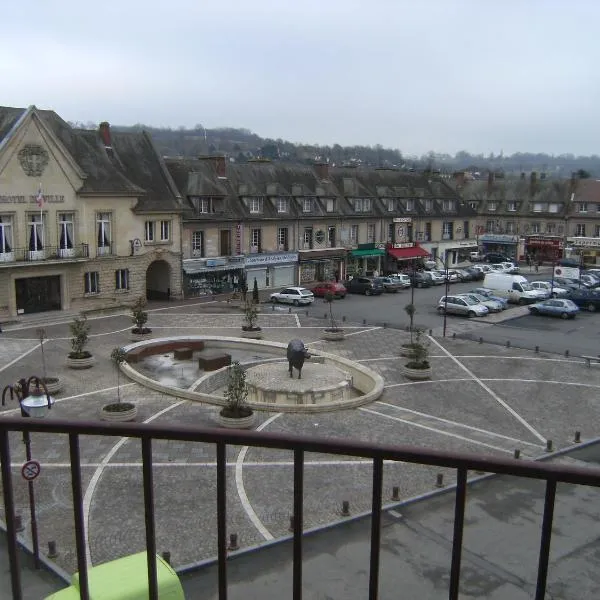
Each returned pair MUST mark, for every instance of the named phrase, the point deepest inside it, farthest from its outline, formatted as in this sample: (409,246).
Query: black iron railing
(552,474)
(47,253)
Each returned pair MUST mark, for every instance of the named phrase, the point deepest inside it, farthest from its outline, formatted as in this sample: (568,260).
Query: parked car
(476,273)
(553,291)
(403,279)
(293,295)
(461,305)
(438,277)
(495,257)
(492,305)
(452,275)
(487,293)
(511,267)
(584,298)
(568,284)
(476,256)
(555,307)
(389,284)
(421,279)
(499,267)
(369,286)
(464,275)
(430,264)
(482,268)
(589,280)
(324,287)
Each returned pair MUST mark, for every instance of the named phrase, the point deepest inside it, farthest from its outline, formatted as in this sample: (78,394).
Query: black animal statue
(297,352)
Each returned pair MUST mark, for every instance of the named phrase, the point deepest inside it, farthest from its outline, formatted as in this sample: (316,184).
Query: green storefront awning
(362,252)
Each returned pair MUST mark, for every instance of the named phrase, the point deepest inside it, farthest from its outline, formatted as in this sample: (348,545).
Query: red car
(337,289)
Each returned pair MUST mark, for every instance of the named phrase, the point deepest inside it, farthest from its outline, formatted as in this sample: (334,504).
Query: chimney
(459,178)
(104,129)
(322,171)
(490,180)
(219,163)
(533,183)
(522,175)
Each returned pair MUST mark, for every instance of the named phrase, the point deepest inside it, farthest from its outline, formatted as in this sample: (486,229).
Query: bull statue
(297,352)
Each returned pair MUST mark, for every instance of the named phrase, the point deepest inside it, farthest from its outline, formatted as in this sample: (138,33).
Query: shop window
(255,241)
(104,227)
(122,279)
(282,239)
(6,238)
(580,230)
(198,243)
(91,282)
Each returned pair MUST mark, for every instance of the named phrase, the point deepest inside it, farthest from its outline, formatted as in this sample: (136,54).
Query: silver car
(492,305)
(461,305)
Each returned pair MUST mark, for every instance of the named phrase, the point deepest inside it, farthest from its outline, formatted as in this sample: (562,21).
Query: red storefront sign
(536,242)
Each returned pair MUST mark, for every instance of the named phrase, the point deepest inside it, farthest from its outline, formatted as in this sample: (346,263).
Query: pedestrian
(529,261)
(537,265)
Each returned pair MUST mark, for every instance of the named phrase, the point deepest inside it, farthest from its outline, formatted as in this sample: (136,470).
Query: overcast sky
(442,75)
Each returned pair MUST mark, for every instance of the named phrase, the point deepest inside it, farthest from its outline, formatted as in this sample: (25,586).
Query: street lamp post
(446,291)
(34,403)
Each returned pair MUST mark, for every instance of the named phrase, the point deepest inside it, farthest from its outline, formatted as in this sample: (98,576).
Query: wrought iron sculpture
(297,353)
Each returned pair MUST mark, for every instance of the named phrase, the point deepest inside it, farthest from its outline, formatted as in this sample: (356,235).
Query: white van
(515,288)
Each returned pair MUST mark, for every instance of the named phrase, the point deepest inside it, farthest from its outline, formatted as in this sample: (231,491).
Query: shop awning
(362,252)
(408,253)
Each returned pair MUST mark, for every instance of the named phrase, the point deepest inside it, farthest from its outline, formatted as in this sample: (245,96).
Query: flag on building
(40,197)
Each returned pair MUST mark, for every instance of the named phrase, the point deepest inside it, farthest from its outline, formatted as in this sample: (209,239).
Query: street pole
(447,289)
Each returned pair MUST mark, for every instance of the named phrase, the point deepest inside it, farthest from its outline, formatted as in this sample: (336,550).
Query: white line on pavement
(241,490)
(297,320)
(16,360)
(493,394)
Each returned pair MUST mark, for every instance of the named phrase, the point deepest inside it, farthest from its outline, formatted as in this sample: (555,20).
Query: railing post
(84,591)
(376,498)
(149,517)
(222,519)
(540,590)
(298,522)
(459,520)
(9,511)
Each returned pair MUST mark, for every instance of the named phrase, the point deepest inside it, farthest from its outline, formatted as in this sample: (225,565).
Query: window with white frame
(447,230)
(91,282)
(6,234)
(104,231)
(490,226)
(122,279)
(428,205)
(511,206)
(370,233)
(410,204)
(366,204)
(391,204)
(65,231)
(390,232)
(354,234)
(473,205)
(538,207)
(307,205)
(554,207)
(597,231)
(256,205)
(36,232)
(255,240)
(448,205)
(536,228)
(149,233)
(198,243)
(492,206)
(307,238)
(330,205)
(165,231)
(580,229)
(510,227)
(582,207)
(282,238)
(282,205)
(203,205)
(362,204)
(550,228)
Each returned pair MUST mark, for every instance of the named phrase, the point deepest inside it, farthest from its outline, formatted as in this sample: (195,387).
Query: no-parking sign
(30,470)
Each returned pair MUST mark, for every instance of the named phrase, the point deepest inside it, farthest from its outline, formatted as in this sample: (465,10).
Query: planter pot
(80,363)
(53,384)
(252,334)
(140,337)
(406,351)
(236,422)
(415,374)
(115,416)
(336,335)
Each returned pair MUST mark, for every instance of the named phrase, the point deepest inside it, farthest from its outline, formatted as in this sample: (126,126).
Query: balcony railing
(552,474)
(47,253)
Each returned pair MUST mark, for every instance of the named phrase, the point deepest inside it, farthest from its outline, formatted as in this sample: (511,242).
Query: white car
(293,295)
(461,305)
(547,286)
(499,268)
(403,279)
(437,277)
(511,267)
(492,305)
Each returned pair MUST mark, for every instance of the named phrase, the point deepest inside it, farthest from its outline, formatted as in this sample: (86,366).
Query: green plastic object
(125,579)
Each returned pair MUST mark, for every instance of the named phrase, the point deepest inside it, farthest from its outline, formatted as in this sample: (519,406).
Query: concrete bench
(590,359)
(211,360)
(184,353)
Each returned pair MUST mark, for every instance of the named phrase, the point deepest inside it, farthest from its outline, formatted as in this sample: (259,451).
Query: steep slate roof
(132,167)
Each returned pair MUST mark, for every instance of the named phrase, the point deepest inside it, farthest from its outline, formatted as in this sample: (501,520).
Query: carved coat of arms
(33,159)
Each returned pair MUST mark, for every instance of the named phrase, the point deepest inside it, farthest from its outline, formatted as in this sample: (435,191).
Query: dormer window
(511,206)
(203,205)
(391,205)
(330,205)
(448,205)
(256,205)
(362,204)
(428,205)
(410,205)
(582,207)
(492,206)
(473,205)
(282,205)
(307,205)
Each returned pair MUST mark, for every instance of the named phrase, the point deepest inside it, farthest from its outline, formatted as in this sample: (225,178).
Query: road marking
(405,383)
(434,430)
(16,360)
(493,394)
(456,424)
(297,320)
(241,490)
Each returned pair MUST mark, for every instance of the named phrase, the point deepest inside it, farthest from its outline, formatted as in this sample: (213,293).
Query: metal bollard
(395,493)
(577,438)
(567,353)
(364,321)
(325,316)
(166,556)
(537,349)
(439,482)
(233,542)
(431,332)
(19,523)
(291,523)
(517,453)
(343,319)
(549,446)
(481,340)
(345,508)
(508,343)
(385,325)
(454,335)
(290,310)
(307,313)
(52,551)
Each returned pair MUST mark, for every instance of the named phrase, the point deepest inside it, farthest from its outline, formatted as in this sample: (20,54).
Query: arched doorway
(158,280)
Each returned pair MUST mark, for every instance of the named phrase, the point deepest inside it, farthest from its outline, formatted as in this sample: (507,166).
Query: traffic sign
(30,470)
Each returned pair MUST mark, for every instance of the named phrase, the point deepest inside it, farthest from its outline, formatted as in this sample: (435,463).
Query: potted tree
(418,366)
(255,296)
(333,333)
(407,349)
(140,318)
(79,358)
(250,328)
(118,411)
(236,414)
(53,384)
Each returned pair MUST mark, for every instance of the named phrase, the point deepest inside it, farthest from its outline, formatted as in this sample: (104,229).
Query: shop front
(37,294)
(586,247)
(210,276)
(544,248)
(366,259)
(403,256)
(326,264)
(500,243)
(271,269)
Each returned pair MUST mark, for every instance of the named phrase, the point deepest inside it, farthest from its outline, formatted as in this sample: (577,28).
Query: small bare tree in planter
(250,328)
(418,366)
(407,350)
(333,333)
(255,296)
(236,414)
(118,411)
(53,384)
(139,317)
(79,358)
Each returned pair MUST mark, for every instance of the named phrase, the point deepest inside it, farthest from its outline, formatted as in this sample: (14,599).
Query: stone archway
(158,280)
